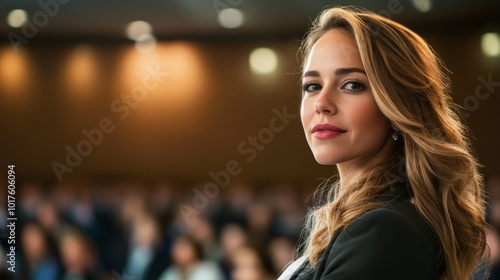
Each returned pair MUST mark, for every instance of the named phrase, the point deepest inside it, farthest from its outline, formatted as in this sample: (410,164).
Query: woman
(409,201)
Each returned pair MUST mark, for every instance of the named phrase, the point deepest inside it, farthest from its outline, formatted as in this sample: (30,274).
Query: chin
(325,160)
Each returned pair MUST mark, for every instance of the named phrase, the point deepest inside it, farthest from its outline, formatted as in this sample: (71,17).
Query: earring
(395,136)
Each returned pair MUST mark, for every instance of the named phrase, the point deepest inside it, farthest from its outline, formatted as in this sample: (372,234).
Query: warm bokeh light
(230,18)
(138,28)
(145,43)
(422,5)
(490,44)
(263,61)
(13,70)
(17,18)
(81,70)
(186,76)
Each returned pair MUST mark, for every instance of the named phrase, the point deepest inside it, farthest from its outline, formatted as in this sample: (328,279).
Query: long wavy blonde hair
(433,155)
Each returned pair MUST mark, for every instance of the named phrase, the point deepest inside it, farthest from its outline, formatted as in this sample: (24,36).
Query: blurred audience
(78,256)
(188,262)
(39,260)
(120,231)
(247,265)
(146,260)
(233,237)
(49,218)
(203,231)
(281,251)
(260,218)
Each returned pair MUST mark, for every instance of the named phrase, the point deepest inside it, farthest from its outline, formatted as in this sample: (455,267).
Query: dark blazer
(389,243)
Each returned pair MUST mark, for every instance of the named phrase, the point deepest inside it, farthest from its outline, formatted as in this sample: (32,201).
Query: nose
(324,104)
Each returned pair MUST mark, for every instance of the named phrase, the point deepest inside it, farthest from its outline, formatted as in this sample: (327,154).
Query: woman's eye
(311,87)
(354,86)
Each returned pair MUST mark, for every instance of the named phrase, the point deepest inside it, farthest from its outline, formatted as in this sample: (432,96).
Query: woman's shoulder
(398,220)
(391,241)
(399,214)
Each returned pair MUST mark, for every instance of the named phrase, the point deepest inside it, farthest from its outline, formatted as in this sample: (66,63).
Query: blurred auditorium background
(153,137)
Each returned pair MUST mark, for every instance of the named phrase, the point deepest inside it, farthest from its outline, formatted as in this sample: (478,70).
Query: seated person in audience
(247,265)
(39,261)
(78,256)
(146,261)
(232,238)
(189,263)
(281,250)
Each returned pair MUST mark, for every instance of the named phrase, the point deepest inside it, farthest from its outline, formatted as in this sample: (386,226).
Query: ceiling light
(138,28)
(230,18)
(422,5)
(263,61)
(17,18)
(490,44)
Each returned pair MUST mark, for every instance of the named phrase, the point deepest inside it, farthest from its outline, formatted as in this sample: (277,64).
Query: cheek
(367,119)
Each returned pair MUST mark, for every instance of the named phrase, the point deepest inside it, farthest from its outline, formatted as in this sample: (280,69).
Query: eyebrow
(338,72)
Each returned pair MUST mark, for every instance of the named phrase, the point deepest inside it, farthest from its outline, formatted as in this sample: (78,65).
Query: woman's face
(342,122)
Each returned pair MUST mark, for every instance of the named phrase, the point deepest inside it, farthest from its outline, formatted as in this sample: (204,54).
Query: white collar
(292,268)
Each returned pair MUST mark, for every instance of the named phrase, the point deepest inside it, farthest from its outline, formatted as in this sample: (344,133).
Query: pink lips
(326,131)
